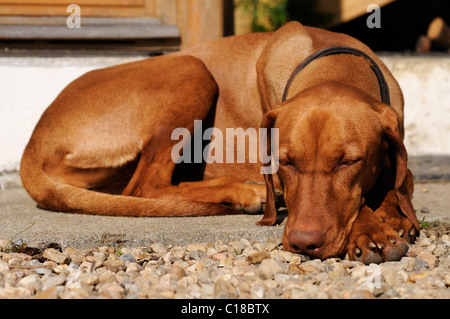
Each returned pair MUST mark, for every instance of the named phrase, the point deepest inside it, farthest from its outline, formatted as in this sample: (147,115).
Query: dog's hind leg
(112,119)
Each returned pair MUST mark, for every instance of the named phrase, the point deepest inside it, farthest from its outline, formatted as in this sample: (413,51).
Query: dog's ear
(392,131)
(284,50)
(270,212)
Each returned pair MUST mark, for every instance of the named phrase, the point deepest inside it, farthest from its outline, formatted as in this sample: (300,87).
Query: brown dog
(104,146)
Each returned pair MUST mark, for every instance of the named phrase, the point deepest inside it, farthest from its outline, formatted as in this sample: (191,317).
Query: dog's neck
(349,69)
(384,89)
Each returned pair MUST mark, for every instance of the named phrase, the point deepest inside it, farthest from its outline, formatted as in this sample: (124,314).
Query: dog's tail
(56,196)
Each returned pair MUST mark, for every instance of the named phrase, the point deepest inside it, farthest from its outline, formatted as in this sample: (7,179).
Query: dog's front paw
(373,241)
(246,197)
(391,215)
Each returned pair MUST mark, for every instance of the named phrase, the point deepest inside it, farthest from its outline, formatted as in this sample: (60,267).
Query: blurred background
(43,47)
(156,26)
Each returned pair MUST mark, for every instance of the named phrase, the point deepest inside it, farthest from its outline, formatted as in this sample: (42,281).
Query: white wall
(425,82)
(29,84)
(27,87)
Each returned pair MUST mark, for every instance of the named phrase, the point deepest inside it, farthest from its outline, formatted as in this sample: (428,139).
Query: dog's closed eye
(345,163)
(285,163)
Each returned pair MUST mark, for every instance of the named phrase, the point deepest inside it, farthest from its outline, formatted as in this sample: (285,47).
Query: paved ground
(18,211)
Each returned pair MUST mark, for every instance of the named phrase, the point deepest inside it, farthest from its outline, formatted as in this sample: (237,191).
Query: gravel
(236,269)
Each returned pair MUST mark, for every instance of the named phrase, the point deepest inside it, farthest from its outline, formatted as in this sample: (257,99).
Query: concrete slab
(430,168)
(18,211)
(431,202)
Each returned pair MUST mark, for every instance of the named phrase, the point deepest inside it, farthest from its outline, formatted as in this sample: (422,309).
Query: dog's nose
(306,242)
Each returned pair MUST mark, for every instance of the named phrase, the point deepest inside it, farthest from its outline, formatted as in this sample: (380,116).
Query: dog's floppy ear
(391,128)
(270,213)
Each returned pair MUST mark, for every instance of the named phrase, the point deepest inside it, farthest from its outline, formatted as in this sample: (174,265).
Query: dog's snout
(306,242)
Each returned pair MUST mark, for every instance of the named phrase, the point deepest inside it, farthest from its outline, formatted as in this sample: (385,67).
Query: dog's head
(332,142)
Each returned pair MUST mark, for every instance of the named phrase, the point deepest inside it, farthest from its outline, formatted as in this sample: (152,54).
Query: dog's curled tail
(53,195)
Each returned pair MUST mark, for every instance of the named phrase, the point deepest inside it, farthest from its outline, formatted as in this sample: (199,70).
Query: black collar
(384,89)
